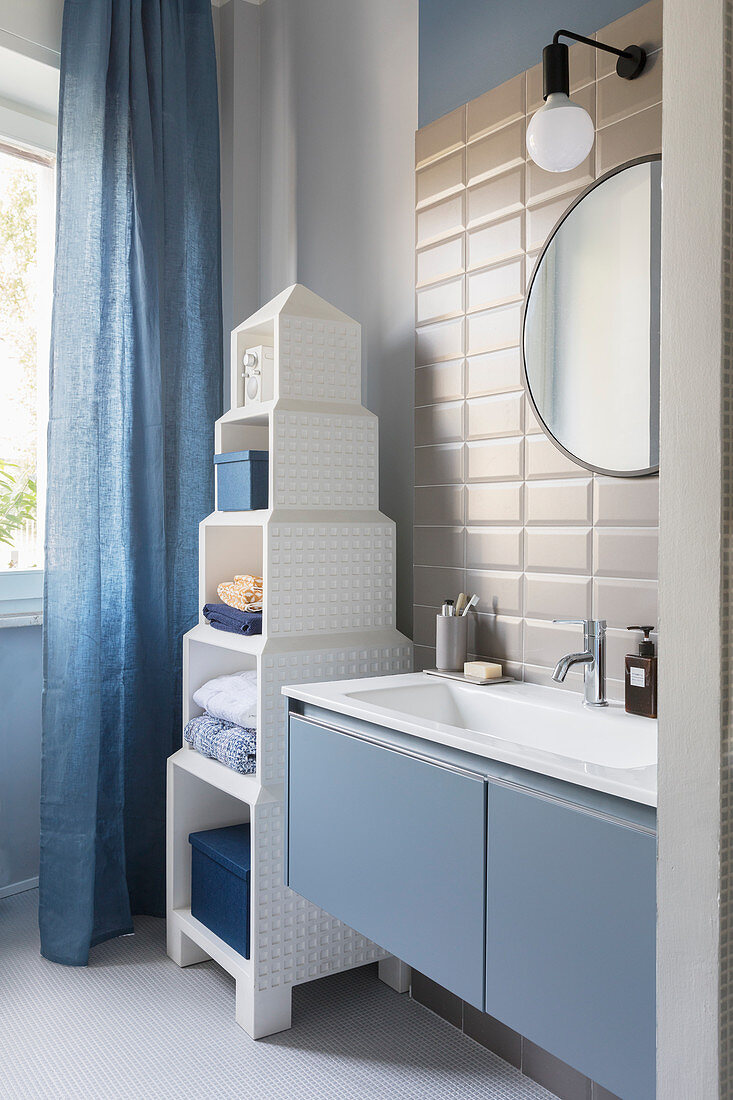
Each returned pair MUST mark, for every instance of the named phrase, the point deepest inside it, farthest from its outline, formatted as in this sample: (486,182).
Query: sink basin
(540,729)
(537,717)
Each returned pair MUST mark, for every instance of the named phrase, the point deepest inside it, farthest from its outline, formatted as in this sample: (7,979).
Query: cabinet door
(394,846)
(571,910)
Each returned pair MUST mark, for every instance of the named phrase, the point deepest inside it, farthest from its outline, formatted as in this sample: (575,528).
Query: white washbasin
(538,728)
(525,713)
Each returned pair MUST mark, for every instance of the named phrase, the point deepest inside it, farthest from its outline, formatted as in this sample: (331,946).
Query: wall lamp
(561,132)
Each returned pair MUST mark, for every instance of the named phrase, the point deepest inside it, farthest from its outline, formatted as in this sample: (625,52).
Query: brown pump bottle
(641,677)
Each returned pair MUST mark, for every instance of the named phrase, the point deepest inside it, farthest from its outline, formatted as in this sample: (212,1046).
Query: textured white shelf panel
(329,577)
(324,460)
(231,961)
(240,643)
(244,787)
(319,359)
(372,654)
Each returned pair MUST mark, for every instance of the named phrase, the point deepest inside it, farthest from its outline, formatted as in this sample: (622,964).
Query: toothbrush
(471,603)
(461,603)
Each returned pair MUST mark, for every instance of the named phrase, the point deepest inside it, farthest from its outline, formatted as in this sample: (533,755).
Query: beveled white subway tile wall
(439,382)
(499,592)
(445,135)
(497,372)
(498,503)
(441,465)
(492,155)
(441,423)
(496,108)
(440,261)
(494,460)
(439,505)
(496,199)
(437,342)
(443,300)
(499,510)
(441,179)
(440,220)
(497,415)
(503,282)
(496,241)
(431,579)
(443,546)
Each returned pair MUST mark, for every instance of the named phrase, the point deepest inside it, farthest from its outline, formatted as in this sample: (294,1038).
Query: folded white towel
(233,698)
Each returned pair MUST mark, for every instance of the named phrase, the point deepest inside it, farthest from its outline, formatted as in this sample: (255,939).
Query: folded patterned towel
(223,617)
(232,698)
(245,592)
(223,741)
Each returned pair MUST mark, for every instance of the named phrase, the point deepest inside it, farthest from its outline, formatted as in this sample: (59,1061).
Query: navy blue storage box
(241,481)
(220,866)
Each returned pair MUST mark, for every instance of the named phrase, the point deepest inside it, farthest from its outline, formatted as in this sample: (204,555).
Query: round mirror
(591,325)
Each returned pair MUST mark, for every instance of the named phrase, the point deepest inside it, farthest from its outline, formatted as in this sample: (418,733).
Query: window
(26,266)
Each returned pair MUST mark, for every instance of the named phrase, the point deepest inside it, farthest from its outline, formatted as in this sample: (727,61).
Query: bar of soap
(482,670)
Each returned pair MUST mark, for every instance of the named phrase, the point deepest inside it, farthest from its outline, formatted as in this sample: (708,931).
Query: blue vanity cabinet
(571,910)
(392,844)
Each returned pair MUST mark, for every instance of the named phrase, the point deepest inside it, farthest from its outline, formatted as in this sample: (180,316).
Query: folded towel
(223,617)
(232,698)
(245,592)
(223,741)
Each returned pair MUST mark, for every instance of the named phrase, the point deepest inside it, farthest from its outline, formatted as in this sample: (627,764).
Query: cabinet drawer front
(393,846)
(571,912)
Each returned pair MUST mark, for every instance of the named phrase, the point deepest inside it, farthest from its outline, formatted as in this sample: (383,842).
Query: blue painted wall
(469,46)
(21,680)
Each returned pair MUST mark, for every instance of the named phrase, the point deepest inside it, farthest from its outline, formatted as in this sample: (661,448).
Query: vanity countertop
(540,729)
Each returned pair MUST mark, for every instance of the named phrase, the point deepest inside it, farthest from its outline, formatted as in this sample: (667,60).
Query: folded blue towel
(223,741)
(223,617)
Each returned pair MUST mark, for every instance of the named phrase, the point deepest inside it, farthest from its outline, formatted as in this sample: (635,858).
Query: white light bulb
(560,134)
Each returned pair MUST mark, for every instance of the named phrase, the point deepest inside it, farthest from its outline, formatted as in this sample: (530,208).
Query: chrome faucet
(593,660)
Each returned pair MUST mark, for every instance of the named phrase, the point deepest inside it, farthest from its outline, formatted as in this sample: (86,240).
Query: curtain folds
(136,378)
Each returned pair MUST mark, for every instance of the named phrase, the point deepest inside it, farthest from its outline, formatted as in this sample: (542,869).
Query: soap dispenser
(641,677)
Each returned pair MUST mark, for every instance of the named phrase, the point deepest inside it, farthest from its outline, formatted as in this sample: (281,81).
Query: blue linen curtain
(135,386)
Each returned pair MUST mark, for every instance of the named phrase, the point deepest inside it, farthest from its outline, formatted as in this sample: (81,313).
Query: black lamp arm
(590,42)
(555,65)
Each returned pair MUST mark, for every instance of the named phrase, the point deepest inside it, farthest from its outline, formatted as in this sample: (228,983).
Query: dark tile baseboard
(544,1068)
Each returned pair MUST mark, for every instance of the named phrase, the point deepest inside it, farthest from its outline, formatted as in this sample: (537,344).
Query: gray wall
(20,753)
(338,113)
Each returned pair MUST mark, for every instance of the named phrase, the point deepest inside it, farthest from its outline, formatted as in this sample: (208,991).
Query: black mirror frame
(649,471)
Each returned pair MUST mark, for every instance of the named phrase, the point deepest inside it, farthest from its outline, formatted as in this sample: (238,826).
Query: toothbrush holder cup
(451,642)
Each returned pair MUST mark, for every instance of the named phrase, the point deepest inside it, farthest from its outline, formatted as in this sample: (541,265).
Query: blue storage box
(220,867)
(241,481)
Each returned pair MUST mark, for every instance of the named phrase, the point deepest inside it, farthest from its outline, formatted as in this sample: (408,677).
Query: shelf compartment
(248,431)
(221,639)
(227,549)
(227,958)
(244,788)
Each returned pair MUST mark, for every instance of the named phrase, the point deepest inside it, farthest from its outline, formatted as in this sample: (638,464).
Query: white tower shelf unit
(327,556)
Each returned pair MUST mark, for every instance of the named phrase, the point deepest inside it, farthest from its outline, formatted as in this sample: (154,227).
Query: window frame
(32,137)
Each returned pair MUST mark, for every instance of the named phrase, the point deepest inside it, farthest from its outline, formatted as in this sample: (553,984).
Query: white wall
(693,331)
(37,23)
(237,30)
(338,88)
